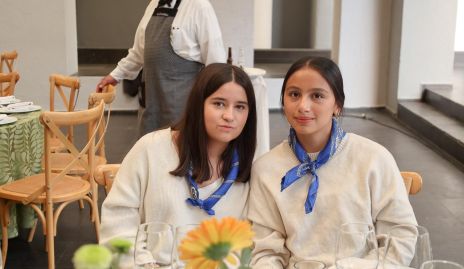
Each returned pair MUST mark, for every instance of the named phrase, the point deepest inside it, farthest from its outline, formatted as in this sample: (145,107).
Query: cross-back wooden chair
(7,59)
(412,182)
(67,88)
(107,95)
(48,188)
(8,83)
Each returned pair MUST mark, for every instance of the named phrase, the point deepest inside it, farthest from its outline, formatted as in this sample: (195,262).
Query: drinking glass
(153,245)
(356,247)
(180,234)
(441,264)
(309,264)
(407,246)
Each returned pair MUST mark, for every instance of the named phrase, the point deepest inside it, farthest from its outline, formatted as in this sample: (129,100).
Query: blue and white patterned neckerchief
(208,203)
(307,166)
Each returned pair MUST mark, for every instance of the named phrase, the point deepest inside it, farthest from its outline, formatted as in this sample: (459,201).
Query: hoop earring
(336,116)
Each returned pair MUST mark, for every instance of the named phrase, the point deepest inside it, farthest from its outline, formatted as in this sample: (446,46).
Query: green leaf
(218,251)
(245,257)
(120,245)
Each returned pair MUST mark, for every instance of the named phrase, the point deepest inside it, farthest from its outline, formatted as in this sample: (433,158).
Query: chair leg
(96,211)
(32,232)
(81,204)
(4,218)
(50,235)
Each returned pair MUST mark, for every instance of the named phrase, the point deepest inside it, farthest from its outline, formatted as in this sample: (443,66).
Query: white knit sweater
(144,191)
(361,183)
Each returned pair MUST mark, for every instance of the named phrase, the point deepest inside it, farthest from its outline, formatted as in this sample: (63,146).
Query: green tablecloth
(21,151)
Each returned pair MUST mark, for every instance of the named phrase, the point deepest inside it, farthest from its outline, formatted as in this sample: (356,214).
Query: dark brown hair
(327,69)
(192,140)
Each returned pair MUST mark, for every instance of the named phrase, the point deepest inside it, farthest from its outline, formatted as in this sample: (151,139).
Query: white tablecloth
(262,109)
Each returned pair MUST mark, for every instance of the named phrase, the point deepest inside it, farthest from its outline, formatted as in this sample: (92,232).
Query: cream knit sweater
(361,183)
(144,191)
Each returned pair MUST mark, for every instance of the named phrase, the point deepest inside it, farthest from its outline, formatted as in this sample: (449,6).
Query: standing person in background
(174,40)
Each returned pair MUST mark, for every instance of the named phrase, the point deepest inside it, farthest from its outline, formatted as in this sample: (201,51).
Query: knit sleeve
(121,208)
(390,203)
(269,242)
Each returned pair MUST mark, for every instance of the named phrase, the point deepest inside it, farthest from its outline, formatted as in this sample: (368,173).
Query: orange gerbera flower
(213,241)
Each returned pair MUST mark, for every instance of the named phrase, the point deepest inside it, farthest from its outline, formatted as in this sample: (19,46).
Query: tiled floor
(438,206)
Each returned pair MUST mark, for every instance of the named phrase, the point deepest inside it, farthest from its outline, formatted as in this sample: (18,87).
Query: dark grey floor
(439,206)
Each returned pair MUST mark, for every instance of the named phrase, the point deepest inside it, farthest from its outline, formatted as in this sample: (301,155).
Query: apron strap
(167,12)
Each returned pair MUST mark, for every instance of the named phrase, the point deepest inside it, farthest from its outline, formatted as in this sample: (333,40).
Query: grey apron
(168,77)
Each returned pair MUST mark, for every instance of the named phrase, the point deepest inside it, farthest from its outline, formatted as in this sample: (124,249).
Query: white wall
(322,24)
(427,45)
(236,21)
(459,41)
(45,37)
(361,50)
(384,59)
(262,24)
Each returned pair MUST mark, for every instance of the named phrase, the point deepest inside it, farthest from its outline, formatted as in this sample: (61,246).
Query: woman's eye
(318,96)
(293,94)
(241,107)
(219,104)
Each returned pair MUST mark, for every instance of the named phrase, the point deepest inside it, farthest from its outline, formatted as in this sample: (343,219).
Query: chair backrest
(53,122)
(104,175)
(412,182)
(107,95)
(59,84)
(8,83)
(7,59)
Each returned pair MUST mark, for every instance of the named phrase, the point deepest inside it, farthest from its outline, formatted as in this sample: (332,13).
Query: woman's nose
(304,104)
(228,114)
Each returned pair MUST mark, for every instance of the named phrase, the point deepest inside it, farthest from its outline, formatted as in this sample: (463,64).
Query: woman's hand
(105,81)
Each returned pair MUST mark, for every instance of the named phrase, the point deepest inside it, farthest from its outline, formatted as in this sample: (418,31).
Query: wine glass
(441,264)
(408,246)
(309,264)
(180,233)
(356,247)
(153,245)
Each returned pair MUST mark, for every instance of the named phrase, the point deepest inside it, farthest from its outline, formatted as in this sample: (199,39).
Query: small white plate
(21,109)
(8,120)
(7,101)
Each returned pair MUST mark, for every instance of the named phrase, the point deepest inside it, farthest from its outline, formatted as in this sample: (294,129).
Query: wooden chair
(107,95)
(67,88)
(61,156)
(8,58)
(8,83)
(104,175)
(412,182)
(48,188)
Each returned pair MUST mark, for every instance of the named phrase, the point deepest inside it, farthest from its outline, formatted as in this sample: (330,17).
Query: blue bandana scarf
(307,166)
(208,204)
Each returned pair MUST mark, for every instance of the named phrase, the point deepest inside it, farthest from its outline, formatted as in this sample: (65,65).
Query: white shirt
(195,36)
